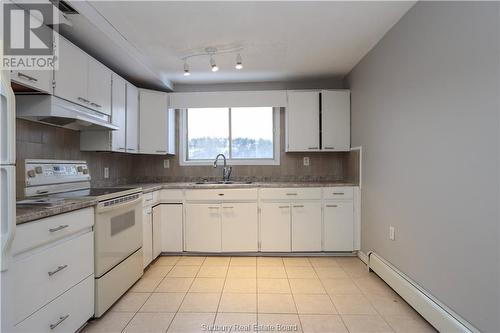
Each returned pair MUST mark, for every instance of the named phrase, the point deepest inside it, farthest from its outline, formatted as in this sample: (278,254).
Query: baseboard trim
(363,257)
(262,254)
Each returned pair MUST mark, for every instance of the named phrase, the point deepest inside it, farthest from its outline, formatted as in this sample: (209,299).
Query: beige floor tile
(146,284)
(174,285)
(167,260)
(241,272)
(314,304)
(323,262)
(207,285)
(130,302)
(372,284)
(365,324)
(212,271)
(238,303)
(340,287)
(356,269)
(269,261)
(200,302)
(306,286)
(185,322)
(353,304)
(322,324)
(386,305)
(184,271)
(331,273)
(347,260)
(217,261)
(409,324)
(163,302)
(296,261)
(111,322)
(273,272)
(157,271)
(191,261)
(239,322)
(149,323)
(273,322)
(300,272)
(275,303)
(273,286)
(243,261)
(240,286)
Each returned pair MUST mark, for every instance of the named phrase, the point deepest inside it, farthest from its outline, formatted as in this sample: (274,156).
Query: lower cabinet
(167,226)
(239,227)
(306,226)
(203,227)
(338,230)
(147,236)
(275,227)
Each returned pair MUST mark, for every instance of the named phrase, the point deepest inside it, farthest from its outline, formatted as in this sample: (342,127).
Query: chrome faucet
(226,171)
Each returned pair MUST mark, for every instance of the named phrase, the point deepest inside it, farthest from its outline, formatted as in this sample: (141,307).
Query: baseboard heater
(436,313)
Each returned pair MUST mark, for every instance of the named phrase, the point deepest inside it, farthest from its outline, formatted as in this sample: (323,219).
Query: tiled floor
(313,294)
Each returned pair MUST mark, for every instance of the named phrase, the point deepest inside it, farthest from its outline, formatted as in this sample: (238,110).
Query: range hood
(56,111)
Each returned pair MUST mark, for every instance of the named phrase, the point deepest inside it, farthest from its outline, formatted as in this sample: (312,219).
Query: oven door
(117,231)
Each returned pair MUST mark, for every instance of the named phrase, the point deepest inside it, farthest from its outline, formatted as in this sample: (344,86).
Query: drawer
(340,192)
(67,313)
(171,195)
(37,233)
(290,194)
(37,279)
(238,194)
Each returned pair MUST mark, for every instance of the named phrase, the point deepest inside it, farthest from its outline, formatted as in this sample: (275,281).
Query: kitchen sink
(221,183)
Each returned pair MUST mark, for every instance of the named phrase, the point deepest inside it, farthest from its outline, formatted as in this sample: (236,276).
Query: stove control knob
(38,169)
(31,173)
(85,171)
(79,169)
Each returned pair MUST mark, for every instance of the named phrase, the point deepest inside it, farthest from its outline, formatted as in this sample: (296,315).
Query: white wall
(425,108)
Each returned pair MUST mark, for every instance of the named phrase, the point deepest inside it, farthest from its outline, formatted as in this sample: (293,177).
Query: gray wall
(425,109)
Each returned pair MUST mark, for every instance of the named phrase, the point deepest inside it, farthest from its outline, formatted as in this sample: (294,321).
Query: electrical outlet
(306,161)
(392,233)
(106,172)
(166,164)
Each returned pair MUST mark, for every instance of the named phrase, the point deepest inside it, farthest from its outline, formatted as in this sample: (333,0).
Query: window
(245,135)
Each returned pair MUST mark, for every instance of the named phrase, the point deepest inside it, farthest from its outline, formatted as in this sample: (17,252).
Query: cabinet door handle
(283,206)
(59,228)
(329,147)
(121,148)
(312,148)
(58,269)
(338,193)
(27,77)
(291,194)
(161,151)
(61,319)
(83,100)
(213,207)
(228,207)
(331,206)
(96,105)
(298,206)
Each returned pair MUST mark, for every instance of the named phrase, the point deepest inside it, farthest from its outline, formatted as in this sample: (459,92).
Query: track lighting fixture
(211,52)
(239,62)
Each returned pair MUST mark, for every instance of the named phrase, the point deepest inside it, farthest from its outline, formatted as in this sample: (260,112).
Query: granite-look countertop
(30,213)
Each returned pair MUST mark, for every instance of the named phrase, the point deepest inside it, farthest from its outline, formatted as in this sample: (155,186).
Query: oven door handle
(103,209)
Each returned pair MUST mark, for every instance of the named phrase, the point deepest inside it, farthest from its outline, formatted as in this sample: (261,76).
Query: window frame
(183,144)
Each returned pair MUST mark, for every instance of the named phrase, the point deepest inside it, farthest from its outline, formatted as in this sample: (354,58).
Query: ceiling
(282,41)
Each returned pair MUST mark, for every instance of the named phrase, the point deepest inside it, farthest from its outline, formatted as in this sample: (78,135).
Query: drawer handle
(283,206)
(228,207)
(58,269)
(338,193)
(298,206)
(161,151)
(61,227)
(312,148)
(329,147)
(61,319)
(213,207)
(332,206)
(291,194)
(221,194)
(27,77)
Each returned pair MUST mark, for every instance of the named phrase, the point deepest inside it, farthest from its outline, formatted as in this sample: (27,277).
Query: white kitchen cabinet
(275,230)
(118,113)
(71,77)
(147,236)
(157,123)
(157,233)
(335,120)
(169,219)
(132,114)
(203,227)
(338,220)
(39,80)
(302,121)
(99,86)
(239,227)
(306,226)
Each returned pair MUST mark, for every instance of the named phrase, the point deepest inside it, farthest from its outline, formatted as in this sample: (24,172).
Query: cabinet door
(203,228)
(336,120)
(38,80)
(170,218)
(338,221)
(132,108)
(157,226)
(118,113)
(153,115)
(306,226)
(72,76)
(239,227)
(275,227)
(99,87)
(147,236)
(302,121)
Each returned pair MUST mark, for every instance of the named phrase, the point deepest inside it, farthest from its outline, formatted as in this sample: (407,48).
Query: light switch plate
(106,172)
(166,164)
(306,161)
(392,233)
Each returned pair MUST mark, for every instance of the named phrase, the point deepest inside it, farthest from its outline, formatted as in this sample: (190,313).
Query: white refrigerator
(7,167)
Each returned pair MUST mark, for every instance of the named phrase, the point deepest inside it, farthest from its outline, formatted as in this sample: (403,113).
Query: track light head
(239,62)
(213,64)
(186,69)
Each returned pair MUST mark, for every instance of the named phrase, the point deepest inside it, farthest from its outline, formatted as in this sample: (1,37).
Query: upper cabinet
(318,121)
(132,114)
(82,79)
(37,80)
(118,113)
(156,123)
